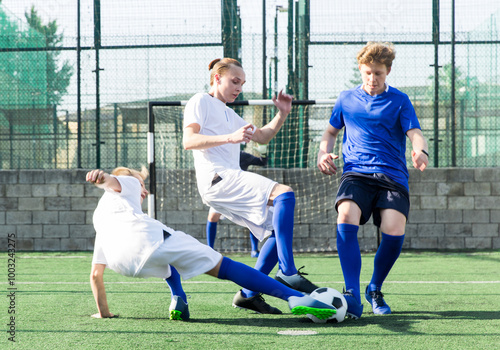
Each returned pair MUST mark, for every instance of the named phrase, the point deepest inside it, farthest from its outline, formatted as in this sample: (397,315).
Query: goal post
(151,151)
(291,160)
(155,105)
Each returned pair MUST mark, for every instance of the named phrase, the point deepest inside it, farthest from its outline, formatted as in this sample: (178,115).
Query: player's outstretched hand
(283,102)
(326,164)
(97,177)
(98,315)
(420,160)
(103,180)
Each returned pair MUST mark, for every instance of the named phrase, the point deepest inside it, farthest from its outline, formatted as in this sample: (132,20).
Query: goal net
(291,160)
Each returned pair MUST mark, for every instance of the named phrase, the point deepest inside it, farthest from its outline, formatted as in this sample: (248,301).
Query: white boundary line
(20,255)
(229,282)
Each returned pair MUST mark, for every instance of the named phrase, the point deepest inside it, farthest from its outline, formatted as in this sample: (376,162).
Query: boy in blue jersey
(377,118)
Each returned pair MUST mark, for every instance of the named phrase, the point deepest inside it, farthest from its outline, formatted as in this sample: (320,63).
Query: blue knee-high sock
(174,283)
(387,254)
(254,242)
(266,261)
(250,278)
(284,207)
(211,233)
(349,256)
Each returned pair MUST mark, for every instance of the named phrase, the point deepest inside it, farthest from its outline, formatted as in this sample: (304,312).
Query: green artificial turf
(439,301)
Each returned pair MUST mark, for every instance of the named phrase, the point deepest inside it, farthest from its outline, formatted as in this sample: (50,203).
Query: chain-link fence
(77,74)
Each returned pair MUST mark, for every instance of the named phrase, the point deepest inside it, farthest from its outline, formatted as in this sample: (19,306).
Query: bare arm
(265,134)
(103,180)
(97,284)
(325,157)
(419,145)
(192,139)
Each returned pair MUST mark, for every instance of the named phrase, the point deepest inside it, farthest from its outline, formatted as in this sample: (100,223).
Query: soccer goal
(290,156)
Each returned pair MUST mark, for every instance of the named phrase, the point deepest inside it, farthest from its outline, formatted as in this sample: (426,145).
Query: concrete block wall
(51,210)
(454,209)
(47,210)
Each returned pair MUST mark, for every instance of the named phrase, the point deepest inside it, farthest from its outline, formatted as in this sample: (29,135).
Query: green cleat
(178,309)
(175,315)
(307,305)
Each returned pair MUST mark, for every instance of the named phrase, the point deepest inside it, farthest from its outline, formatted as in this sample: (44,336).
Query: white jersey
(125,236)
(240,196)
(132,244)
(214,118)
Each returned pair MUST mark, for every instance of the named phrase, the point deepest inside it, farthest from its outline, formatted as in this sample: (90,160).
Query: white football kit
(133,244)
(240,196)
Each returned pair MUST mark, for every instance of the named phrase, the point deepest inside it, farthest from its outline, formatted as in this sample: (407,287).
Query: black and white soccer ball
(332,297)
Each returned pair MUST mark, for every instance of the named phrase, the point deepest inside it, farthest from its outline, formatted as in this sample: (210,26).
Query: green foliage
(22,73)
(445,81)
(31,78)
(58,77)
(356,77)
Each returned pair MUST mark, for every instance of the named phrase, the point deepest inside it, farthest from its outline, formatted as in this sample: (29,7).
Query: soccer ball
(332,297)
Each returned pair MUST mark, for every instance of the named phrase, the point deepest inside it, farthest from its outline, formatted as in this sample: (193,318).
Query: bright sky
(134,75)
(160,17)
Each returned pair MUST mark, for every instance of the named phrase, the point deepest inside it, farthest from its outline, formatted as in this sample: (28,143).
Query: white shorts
(213,211)
(184,252)
(242,197)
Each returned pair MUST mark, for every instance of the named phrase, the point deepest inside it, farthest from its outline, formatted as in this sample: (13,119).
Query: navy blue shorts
(372,192)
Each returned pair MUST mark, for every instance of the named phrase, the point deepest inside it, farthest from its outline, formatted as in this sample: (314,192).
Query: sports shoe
(308,305)
(297,281)
(255,303)
(354,309)
(178,309)
(254,254)
(376,299)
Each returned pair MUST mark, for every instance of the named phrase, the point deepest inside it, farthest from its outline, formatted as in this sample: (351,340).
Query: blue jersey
(375,131)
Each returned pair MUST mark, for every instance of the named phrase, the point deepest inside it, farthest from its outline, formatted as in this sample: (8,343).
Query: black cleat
(255,303)
(297,281)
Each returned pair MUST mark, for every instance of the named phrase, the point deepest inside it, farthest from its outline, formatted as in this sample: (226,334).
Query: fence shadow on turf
(468,315)
(402,322)
(398,322)
(251,322)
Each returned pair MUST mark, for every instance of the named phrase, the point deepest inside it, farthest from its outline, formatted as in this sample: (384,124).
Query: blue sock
(254,242)
(387,254)
(266,261)
(174,283)
(211,233)
(284,207)
(350,257)
(250,278)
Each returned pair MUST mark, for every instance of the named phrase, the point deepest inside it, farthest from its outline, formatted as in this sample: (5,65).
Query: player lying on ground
(214,132)
(133,244)
(377,119)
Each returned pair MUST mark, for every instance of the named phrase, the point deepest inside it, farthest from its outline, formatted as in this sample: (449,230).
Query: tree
(356,77)
(22,73)
(58,73)
(445,84)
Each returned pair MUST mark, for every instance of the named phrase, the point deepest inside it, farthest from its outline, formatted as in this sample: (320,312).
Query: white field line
(54,257)
(217,281)
(22,256)
(229,282)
